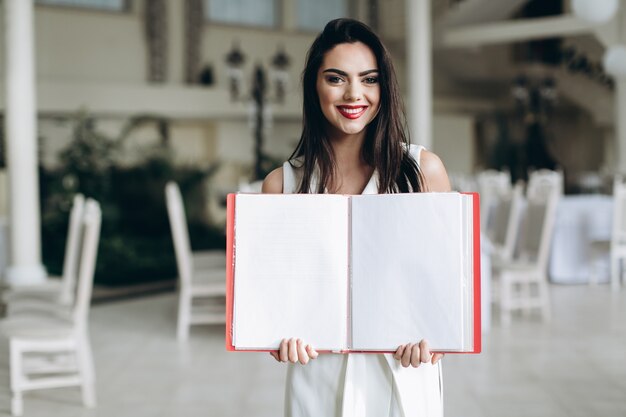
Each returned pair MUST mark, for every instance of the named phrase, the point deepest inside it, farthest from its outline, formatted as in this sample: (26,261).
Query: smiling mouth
(351,112)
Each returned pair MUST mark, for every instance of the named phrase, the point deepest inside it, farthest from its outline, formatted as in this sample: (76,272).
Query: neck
(347,148)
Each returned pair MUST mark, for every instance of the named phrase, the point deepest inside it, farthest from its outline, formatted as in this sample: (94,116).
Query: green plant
(135,243)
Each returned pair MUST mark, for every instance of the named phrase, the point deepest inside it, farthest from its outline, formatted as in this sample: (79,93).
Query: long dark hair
(386,145)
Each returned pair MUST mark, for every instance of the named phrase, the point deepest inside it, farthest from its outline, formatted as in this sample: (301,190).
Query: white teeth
(352,111)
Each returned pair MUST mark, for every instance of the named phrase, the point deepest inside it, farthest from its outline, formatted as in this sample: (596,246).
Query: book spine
(230,269)
(349,303)
(477,270)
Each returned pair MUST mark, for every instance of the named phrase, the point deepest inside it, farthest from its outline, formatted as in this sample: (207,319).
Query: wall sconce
(279,74)
(234,62)
(595,11)
(534,99)
(260,114)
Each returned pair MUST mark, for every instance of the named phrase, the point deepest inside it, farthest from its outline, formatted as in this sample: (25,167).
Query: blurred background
(114,99)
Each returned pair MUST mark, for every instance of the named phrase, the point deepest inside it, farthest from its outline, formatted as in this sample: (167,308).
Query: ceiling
(486,72)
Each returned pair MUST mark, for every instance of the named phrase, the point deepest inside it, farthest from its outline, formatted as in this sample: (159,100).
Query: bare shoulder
(434,172)
(273,182)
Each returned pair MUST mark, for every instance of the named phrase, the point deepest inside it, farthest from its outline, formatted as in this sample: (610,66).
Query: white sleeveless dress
(360,385)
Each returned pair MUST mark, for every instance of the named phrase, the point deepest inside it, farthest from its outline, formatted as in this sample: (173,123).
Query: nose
(353,92)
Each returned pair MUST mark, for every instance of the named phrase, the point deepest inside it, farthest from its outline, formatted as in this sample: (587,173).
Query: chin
(352,129)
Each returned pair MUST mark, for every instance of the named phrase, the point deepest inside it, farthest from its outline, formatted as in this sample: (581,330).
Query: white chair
(50,348)
(544,181)
(491,184)
(522,283)
(57,290)
(250,187)
(506,223)
(618,234)
(202,279)
(462,182)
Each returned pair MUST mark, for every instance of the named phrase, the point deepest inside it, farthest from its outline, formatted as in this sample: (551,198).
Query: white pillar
(419,71)
(21,132)
(620,103)
(175,11)
(289,15)
(620,125)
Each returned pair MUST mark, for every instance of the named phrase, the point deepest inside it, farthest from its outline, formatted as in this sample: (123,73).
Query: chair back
(72,248)
(91,222)
(180,233)
(539,227)
(491,185)
(507,222)
(544,181)
(618,233)
(462,182)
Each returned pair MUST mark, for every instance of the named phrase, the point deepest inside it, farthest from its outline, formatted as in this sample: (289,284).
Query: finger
(437,357)
(275,355)
(303,357)
(293,350)
(283,351)
(424,351)
(415,355)
(399,352)
(312,352)
(406,355)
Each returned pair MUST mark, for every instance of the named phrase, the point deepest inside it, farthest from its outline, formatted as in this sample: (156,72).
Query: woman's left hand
(414,354)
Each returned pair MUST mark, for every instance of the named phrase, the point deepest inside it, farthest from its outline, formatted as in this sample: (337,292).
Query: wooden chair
(522,283)
(56,289)
(50,348)
(202,278)
(618,234)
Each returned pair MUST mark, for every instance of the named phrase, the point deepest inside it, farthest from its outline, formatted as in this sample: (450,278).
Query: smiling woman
(349,96)
(354,141)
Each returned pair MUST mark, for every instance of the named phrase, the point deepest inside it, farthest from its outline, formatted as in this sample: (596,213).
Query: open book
(353,273)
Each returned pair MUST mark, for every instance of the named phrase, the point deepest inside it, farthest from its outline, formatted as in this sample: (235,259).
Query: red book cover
(230,277)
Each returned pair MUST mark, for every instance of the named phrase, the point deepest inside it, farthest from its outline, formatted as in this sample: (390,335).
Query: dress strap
(289,179)
(416,152)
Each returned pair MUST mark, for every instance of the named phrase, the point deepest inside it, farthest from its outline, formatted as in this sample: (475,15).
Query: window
(314,14)
(243,12)
(112,5)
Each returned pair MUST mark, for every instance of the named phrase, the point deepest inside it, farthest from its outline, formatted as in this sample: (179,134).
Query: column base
(25,275)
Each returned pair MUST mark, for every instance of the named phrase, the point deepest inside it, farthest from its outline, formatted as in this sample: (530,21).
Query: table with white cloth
(486,248)
(581,220)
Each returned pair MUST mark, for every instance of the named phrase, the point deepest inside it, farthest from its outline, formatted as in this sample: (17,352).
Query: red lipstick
(351,112)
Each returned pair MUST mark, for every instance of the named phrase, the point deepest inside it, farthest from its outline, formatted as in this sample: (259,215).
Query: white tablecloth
(485,283)
(581,220)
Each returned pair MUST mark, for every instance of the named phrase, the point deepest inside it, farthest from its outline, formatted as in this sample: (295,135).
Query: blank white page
(291,270)
(407,273)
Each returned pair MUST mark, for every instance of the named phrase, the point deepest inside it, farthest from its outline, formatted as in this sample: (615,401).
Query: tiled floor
(573,366)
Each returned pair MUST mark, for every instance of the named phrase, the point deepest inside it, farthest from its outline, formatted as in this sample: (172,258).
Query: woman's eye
(371,80)
(334,79)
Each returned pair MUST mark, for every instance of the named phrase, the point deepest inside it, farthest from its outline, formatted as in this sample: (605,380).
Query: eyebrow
(345,74)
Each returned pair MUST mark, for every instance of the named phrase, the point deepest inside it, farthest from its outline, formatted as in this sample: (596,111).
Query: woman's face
(348,88)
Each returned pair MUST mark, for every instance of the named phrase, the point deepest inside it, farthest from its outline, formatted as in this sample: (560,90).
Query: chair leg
(17,406)
(615,273)
(16,376)
(86,370)
(505,300)
(526,294)
(184,315)
(544,295)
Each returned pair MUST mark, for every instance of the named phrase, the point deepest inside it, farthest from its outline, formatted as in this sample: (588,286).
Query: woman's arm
(273,183)
(434,172)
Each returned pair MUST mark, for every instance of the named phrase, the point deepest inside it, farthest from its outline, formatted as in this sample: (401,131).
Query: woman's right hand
(294,350)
